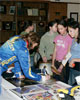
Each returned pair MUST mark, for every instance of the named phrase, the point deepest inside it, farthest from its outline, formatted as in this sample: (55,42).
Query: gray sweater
(46,45)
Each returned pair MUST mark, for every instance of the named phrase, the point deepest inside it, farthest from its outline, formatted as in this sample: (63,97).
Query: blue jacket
(15,51)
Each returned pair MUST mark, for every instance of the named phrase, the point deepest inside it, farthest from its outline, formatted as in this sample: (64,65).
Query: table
(8,95)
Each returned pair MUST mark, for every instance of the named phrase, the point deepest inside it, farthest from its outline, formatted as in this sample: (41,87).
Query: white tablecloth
(6,94)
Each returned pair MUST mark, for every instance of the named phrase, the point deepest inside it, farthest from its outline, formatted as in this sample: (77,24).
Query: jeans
(72,75)
(0,79)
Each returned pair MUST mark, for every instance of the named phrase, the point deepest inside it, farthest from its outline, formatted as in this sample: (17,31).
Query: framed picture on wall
(29,12)
(3,9)
(12,10)
(42,12)
(74,15)
(35,12)
(7,25)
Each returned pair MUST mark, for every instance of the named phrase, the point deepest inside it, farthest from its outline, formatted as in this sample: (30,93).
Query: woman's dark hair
(64,18)
(51,23)
(70,20)
(62,22)
(75,25)
(23,25)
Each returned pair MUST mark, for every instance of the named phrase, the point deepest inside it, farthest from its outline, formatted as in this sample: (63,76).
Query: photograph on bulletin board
(74,15)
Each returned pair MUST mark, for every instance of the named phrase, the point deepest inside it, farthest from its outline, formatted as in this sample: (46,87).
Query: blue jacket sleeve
(17,69)
(24,59)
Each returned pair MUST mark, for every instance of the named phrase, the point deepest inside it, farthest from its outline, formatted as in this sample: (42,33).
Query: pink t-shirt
(62,44)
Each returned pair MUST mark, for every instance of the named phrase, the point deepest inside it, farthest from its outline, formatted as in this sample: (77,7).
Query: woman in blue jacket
(16,50)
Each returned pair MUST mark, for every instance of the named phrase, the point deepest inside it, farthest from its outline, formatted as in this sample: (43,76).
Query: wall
(57,10)
(11,23)
(73,8)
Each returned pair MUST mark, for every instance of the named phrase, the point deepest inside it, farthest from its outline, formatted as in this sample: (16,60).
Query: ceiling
(67,1)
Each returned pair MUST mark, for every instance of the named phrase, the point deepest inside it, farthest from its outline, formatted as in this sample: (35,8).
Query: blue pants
(72,75)
(0,78)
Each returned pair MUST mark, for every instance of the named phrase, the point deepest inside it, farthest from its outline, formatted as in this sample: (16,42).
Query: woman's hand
(60,68)
(72,62)
(22,77)
(45,78)
(55,70)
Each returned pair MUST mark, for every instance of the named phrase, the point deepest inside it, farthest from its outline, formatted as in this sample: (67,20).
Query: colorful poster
(20,91)
(40,96)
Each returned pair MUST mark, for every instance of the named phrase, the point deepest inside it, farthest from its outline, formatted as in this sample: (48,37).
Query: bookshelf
(7,20)
(14,12)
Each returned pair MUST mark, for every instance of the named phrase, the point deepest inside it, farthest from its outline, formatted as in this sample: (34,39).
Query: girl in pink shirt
(62,47)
